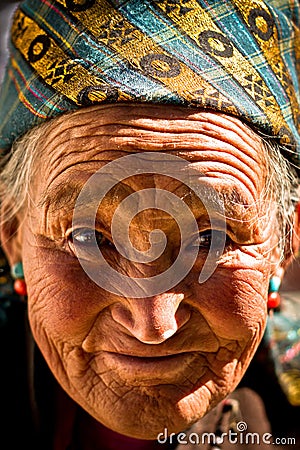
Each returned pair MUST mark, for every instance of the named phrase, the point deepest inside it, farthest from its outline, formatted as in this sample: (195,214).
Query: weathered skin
(97,343)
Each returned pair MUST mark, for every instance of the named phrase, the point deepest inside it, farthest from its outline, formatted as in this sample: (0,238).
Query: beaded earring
(17,274)
(273,295)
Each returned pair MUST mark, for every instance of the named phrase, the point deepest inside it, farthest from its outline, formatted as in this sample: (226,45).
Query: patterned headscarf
(241,57)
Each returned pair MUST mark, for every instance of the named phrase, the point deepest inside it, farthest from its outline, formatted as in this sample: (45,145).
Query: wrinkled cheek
(52,325)
(234,306)
(60,301)
(235,322)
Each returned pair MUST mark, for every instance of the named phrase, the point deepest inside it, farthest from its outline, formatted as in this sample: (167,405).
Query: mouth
(150,370)
(148,359)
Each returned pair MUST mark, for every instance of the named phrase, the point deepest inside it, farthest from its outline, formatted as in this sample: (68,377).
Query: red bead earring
(17,274)
(273,295)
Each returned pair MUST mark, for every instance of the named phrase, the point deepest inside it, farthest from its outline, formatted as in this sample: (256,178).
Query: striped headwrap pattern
(240,57)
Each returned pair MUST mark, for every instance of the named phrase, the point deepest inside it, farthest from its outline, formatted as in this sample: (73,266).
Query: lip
(148,370)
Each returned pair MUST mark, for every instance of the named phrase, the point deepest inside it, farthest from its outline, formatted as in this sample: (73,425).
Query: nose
(152,320)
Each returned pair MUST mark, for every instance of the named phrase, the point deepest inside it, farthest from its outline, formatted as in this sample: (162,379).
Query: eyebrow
(63,196)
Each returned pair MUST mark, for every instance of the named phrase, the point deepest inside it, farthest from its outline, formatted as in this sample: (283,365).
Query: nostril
(152,320)
(143,326)
(122,315)
(182,315)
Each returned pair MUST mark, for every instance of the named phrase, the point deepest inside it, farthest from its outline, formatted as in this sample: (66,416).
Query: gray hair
(282,187)
(18,169)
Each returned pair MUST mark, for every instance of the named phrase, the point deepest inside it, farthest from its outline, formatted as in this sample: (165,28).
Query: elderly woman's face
(141,364)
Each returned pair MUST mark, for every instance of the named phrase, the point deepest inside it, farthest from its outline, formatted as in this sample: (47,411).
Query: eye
(86,236)
(205,239)
(85,242)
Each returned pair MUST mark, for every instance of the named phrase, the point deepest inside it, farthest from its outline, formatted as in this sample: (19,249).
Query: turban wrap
(240,57)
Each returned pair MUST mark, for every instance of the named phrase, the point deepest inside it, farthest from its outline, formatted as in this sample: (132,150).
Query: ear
(10,235)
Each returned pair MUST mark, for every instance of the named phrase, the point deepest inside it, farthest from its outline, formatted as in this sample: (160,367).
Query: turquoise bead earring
(17,274)
(273,295)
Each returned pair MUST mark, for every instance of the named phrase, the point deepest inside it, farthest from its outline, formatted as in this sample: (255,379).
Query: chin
(156,411)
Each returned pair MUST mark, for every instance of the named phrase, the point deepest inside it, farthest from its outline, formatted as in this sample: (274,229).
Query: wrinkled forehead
(141,127)
(214,146)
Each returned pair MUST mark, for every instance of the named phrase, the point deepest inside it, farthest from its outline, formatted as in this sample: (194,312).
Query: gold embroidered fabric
(239,56)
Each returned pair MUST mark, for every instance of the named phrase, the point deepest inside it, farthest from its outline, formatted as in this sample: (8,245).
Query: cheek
(234,303)
(62,301)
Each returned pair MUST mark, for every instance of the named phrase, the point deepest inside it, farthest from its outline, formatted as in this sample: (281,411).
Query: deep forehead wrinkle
(219,143)
(64,196)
